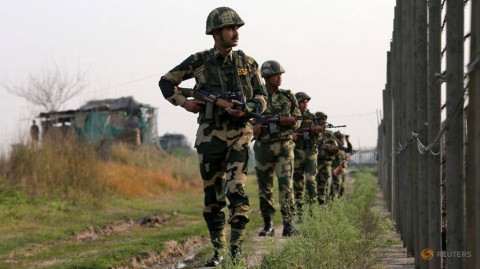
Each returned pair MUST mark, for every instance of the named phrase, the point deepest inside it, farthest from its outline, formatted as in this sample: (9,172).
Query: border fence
(429,137)
(365,156)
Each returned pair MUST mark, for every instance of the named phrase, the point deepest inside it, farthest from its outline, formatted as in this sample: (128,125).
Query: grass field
(146,200)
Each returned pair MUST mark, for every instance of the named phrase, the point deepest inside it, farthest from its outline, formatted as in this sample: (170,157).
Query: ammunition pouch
(273,128)
(306,136)
(325,154)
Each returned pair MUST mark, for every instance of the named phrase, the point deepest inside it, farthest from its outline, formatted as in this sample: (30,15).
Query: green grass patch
(34,231)
(342,234)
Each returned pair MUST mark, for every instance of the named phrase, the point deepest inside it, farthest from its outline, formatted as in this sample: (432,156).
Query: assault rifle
(330,148)
(272,120)
(287,120)
(307,130)
(340,166)
(329,125)
(222,101)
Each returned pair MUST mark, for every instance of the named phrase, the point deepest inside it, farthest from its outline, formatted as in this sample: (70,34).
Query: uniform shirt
(327,138)
(312,139)
(237,71)
(342,154)
(282,103)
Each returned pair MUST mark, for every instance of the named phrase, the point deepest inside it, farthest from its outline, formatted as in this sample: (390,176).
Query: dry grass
(131,181)
(82,173)
(65,171)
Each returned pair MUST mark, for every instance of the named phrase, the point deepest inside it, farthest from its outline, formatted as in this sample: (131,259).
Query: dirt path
(394,256)
(255,248)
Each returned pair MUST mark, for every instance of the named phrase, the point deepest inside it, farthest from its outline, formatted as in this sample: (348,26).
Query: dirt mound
(169,258)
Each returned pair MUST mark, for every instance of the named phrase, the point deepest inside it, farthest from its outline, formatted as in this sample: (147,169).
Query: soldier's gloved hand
(257,129)
(193,106)
(237,113)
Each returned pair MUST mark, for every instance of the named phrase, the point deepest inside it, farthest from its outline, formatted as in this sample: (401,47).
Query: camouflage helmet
(321,115)
(271,68)
(338,134)
(302,96)
(221,17)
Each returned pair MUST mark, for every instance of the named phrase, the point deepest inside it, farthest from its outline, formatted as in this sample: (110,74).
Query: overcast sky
(333,50)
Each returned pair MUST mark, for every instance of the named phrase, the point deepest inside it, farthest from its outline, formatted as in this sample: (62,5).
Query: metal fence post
(434,119)
(421,89)
(454,135)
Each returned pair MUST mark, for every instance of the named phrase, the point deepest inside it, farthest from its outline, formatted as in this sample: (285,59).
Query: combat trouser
(275,157)
(324,170)
(341,191)
(335,187)
(223,155)
(305,169)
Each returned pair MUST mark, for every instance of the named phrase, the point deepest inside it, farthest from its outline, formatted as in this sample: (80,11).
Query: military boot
(215,260)
(288,229)
(268,230)
(235,254)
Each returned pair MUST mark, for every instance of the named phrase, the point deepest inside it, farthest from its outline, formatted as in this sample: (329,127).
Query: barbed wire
(473,64)
(422,149)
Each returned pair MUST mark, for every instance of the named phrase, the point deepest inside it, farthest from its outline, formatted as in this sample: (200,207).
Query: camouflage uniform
(338,180)
(328,147)
(305,164)
(222,141)
(274,154)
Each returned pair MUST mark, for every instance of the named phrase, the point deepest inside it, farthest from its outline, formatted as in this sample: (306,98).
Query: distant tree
(50,88)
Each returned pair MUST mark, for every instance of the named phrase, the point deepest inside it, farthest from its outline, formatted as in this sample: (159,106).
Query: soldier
(34,133)
(328,147)
(305,164)
(339,164)
(274,150)
(224,135)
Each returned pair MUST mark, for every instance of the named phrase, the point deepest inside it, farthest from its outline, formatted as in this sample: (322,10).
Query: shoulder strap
(289,95)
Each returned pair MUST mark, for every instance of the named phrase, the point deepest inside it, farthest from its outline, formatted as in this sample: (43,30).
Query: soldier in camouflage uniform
(305,164)
(224,135)
(340,164)
(274,150)
(327,149)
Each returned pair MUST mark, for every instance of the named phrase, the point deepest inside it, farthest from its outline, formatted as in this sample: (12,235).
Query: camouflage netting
(122,119)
